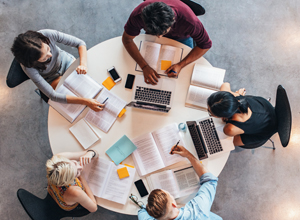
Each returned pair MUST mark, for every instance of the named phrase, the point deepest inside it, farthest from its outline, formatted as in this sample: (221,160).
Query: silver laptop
(153,97)
(209,139)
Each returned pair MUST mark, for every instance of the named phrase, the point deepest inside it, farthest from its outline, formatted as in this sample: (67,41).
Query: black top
(262,123)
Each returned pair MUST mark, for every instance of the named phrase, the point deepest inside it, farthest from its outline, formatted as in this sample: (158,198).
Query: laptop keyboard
(197,139)
(210,135)
(152,95)
(153,109)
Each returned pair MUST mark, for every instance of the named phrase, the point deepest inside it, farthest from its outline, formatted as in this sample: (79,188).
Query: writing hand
(95,105)
(173,70)
(81,69)
(180,150)
(150,75)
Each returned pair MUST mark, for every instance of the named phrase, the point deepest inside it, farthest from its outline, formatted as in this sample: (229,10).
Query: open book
(102,177)
(104,119)
(75,85)
(156,55)
(178,182)
(205,81)
(153,150)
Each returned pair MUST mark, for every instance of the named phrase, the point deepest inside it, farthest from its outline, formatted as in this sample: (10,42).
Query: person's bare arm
(195,54)
(198,166)
(84,157)
(226,87)
(150,74)
(82,68)
(91,103)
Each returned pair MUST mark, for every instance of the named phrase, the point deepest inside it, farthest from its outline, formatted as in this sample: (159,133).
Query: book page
(146,157)
(116,189)
(209,77)
(170,53)
(82,85)
(165,138)
(69,111)
(105,118)
(165,180)
(197,96)
(96,174)
(187,180)
(150,52)
(84,134)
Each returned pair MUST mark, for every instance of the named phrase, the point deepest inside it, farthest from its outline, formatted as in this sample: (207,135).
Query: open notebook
(153,149)
(75,85)
(205,81)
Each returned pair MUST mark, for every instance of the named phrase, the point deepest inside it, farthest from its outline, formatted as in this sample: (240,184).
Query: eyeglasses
(135,200)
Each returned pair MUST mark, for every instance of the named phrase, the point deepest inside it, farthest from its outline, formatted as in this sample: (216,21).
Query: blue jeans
(187,41)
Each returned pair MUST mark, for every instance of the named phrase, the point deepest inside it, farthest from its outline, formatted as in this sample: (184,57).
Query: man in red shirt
(168,18)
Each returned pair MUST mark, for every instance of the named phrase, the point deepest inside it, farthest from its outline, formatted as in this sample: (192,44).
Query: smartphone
(129,81)
(114,74)
(141,188)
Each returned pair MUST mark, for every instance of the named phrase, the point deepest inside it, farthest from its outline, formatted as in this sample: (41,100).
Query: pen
(105,100)
(175,147)
(172,71)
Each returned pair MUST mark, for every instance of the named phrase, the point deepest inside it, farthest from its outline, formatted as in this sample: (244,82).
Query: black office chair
(284,120)
(47,208)
(16,76)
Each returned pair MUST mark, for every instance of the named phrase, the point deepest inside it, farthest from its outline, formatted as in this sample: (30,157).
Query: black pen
(175,147)
(105,100)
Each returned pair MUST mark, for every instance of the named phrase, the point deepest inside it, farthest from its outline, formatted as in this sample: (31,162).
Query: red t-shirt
(186,23)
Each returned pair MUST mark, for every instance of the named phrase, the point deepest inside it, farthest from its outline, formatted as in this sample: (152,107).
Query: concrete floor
(257,42)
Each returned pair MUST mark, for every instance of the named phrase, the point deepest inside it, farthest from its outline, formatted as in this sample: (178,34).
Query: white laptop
(153,97)
(208,138)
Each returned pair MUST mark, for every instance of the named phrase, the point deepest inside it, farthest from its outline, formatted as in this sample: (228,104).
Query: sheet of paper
(198,96)
(82,85)
(104,119)
(108,83)
(84,134)
(150,52)
(117,189)
(165,138)
(121,150)
(146,157)
(209,77)
(69,111)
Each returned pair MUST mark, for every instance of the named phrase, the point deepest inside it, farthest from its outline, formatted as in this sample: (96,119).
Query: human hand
(150,75)
(95,105)
(81,69)
(241,91)
(86,158)
(180,150)
(173,70)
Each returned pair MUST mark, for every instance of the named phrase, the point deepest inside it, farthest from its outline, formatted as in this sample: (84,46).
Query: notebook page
(170,53)
(146,157)
(116,189)
(150,52)
(165,138)
(105,118)
(82,85)
(209,77)
(197,96)
(96,174)
(165,180)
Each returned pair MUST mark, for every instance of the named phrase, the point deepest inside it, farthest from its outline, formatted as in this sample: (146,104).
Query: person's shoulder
(47,32)
(73,192)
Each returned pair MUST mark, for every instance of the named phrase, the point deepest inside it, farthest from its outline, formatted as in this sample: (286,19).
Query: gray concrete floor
(257,42)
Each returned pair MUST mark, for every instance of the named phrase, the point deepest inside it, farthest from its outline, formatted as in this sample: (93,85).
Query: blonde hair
(60,171)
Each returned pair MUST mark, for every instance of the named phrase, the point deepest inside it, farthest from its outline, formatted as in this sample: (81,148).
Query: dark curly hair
(27,49)
(158,17)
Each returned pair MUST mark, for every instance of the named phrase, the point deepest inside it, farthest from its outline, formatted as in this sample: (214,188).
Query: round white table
(134,122)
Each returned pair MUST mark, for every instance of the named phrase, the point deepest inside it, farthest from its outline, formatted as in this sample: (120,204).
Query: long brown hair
(27,49)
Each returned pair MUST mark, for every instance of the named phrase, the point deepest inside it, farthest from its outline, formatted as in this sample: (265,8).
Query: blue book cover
(121,150)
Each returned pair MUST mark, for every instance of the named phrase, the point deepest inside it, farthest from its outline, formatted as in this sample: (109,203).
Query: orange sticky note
(165,64)
(108,83)
(128,165)
(123,172)
(122,113)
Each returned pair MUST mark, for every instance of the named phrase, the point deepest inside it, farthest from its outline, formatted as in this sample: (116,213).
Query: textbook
(75,85)
(84,133)
(179,182)
(104,119)
(159,57)
(103,179)
(153,149)
(205,81)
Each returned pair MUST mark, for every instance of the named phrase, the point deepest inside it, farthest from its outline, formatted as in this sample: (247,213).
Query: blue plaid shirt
(199,207)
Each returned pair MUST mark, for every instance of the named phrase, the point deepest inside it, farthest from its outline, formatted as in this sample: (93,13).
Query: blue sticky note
(121,150)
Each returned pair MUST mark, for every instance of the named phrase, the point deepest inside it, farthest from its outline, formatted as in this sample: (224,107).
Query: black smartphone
(141,188)
(114,74)
(129,81)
